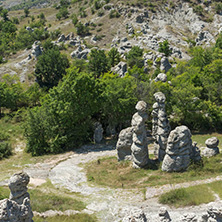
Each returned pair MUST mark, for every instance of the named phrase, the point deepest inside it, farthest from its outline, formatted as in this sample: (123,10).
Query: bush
(5,150)
(164,48)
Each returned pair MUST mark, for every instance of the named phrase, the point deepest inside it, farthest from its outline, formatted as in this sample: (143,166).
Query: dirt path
(112,204)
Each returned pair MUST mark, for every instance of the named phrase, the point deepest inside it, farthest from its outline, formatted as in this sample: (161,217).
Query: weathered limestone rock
(178,151)
(212,147)
(17,208)
(189,218)
(36,49)
(80,53)
(136,215)
(120,69)
(11,211)
(160,125)
(124,144)
(18,186)
(98,132)
(62,38)
(195,153)
(164,215)
(140,144)
(165,64)
(161,77)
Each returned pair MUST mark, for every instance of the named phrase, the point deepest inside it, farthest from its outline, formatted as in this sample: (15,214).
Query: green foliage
(65,118)
(4,193)
(74,19)
(63,13)
(5,150)
(114,14)
(165,48)
(50,67)
(113,56)
(80,217)
(81,29)
(134,57)
(27,12)
(98,62)
(42,202)
(187,196)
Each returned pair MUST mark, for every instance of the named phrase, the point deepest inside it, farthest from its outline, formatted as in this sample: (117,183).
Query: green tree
(74,19)
(50,67)
(64,121)
(27,12)
(134,57)
(81,29)
(98,62)
(114,57)
(165,48)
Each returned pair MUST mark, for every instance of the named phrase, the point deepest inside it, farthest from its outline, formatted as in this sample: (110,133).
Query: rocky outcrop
(124,144)
(120,69)
(80,53)
(160,125)
(161,77)
(136,215)
(140,144)
(98,132)
(17,208)
(212,147)
(36,49)
(195,153)
(164,215)
(178,151)
(165,64)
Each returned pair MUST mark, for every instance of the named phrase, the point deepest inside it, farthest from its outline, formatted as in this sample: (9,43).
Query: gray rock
(136,215)
(124,144)
(161,77)
(160,125)
(140,18)
(62,38)
(17,208)
(140,144)
(204,37)
(98,132)
(120,69)
(36,49)
(11,211)
(165,64)
(189,218)
(195,153)
(80,54)
(178,151)
(212,142)
(164,215)
(18,186)
(212,147)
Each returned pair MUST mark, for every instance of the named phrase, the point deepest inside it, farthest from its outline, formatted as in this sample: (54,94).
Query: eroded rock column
(139,147)
(178,151)
(160,125)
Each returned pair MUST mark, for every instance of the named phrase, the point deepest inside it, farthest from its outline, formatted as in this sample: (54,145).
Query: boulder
(120,69)
(164,215)
(124,144)
(165,64)
(79,53)
(212,147)
(139,146)
(62,38)
(36,49)
(178,151)
(195,153)
(161,77)
(136,215)
(17,208)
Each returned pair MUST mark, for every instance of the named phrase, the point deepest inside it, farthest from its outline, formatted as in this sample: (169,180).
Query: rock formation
(140,145)
(212,147)
(195,153)
(124,144)
(136,215)
(160,125)
(164,215)
(98,132)
(17,208)
(120,69)
(178,151)
(36,49)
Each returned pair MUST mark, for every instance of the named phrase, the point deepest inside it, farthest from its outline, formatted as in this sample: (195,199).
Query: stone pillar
(160,125)
(17,208)
(178,151)
(139,147)
(212,147)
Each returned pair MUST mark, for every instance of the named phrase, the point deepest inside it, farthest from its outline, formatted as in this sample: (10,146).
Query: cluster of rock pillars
(174,148)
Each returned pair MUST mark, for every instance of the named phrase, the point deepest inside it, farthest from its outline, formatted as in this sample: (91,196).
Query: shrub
(5,150)
(165,48)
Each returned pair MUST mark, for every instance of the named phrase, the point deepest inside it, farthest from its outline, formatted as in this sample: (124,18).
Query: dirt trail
(112,204)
